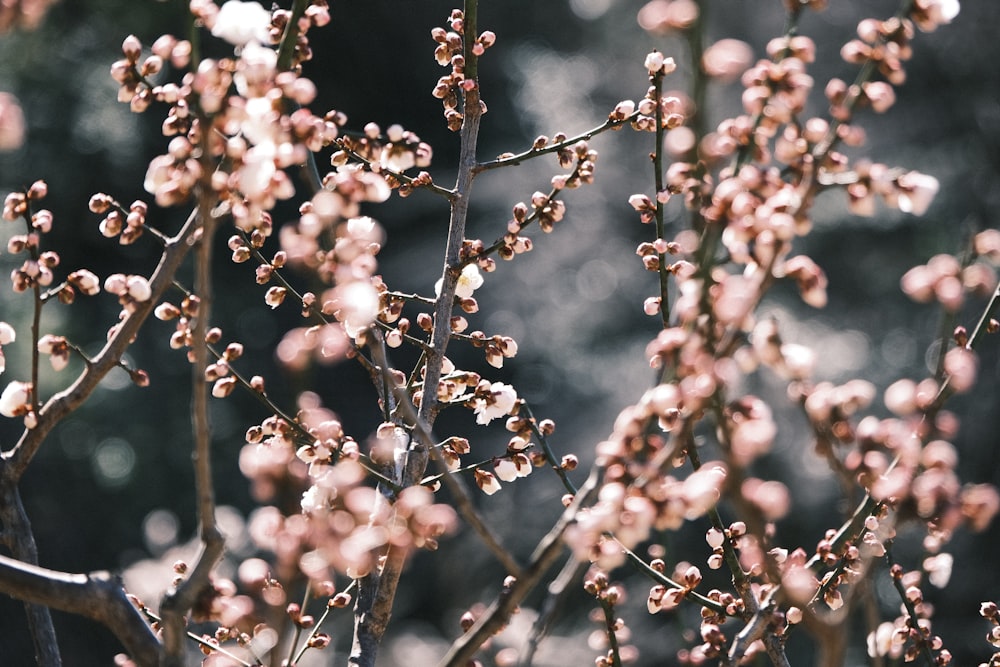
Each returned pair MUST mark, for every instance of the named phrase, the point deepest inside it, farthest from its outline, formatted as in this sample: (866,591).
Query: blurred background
(112,487)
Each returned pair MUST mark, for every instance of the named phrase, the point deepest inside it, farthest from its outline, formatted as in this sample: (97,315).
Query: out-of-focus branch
(545,554)
(557,589)
(97,596)
(180,599)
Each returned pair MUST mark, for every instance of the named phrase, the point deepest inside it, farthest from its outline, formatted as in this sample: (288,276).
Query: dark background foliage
(112,486)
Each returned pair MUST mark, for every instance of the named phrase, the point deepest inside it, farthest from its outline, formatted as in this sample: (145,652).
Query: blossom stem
(501,242)
(399,176)
(609,625)
(662,272)
(286,50)
(378,589)
(664,580)
(911,613)
(549,454)
(510,160)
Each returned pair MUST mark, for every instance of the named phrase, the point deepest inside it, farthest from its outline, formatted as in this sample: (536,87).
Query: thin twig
(459,491)
(510,160)
(544,556)
(179,599)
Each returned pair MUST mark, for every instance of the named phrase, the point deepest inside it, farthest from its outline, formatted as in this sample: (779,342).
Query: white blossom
(468,282)
(240,23)
(14,400)
(7,334)
(505,469)
(501,403)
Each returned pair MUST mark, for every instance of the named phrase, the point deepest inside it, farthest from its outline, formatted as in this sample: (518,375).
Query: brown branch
(21,542)
(98,596)
(14,462)
(459,491)
(378,589)
(181,598)
(542,559)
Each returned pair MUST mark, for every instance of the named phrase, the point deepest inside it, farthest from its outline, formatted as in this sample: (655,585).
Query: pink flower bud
(961,364)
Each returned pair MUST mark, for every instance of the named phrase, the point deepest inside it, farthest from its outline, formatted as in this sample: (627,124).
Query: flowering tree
(340,515)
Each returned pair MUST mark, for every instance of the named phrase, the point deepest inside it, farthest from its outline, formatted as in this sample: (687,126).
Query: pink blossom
(356,306)
(663,16)
(980,503)
(916,193)
(901,397)
(57,348)
(771,497)
(701,489)
(656,63)
(929,14)
(85,281)
(138,288)
(726,59)
(505,469)
(735,299)
(11,123)
(961,364)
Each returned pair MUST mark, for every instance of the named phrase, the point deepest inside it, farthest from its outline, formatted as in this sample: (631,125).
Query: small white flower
(317,499)
(500,403)
(917,192)
(240,23)
(85,281)
(468,282)
(357,306)
(657,62)
(14,400)
(654,61)
(115,284)
(258,171)
(505,469)
(138,288)
(257,67)
(7,334)
(487,481)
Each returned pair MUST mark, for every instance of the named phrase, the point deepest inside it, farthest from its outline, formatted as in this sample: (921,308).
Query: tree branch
(178,600)
(98,596)
(544,556)
(14,462)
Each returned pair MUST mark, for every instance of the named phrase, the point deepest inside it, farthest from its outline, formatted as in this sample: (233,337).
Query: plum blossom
(11,123)
(468,282)
(7,334)
(502,399)
(487,481)
(656,62)
(85,281)
(727,59)
(929,14)
(257,67)
(916,192)
(240,23)
(505,469)
(57,348)
(357,306)
(961,365)
(15,400)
